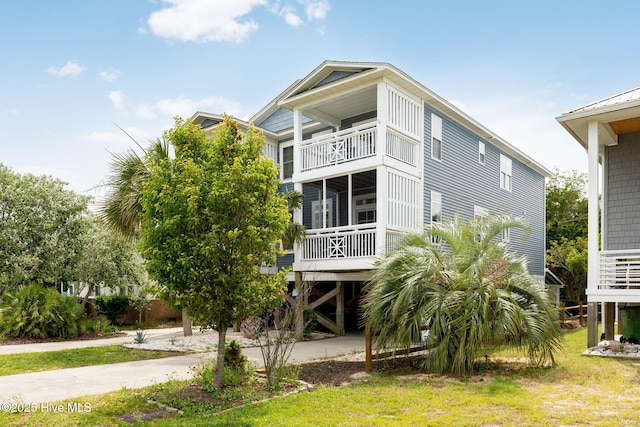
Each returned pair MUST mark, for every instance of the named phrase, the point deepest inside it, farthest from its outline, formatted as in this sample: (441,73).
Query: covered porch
(610,132)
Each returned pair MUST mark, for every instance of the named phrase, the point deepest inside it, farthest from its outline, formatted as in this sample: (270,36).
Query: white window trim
(436,199)
(506,235)
(481,153)
(369,207)
(480,212)
(282,147)
(436,133)
(329,207)
(506,171)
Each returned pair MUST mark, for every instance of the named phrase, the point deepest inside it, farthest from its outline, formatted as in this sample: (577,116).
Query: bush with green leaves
(310,321)
(112,306)
(37,312)
(232,375)
(99,325)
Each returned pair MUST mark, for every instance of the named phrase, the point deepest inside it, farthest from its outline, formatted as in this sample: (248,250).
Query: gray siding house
(377,154)
(610,131)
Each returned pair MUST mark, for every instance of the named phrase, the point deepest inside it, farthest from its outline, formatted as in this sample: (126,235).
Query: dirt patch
(340,372)
(83,337)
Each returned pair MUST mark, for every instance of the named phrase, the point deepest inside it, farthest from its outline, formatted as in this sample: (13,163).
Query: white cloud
(205,20)
(70,69)
(117,99)
(120,137)
(316,9)
(13,112)
(292,19)
(185,107)
(109,75)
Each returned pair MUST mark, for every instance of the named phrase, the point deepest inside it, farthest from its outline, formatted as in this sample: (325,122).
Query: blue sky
(74,69)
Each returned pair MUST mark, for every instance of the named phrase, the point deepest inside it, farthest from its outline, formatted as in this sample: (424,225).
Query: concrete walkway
(64,345)
(73,383)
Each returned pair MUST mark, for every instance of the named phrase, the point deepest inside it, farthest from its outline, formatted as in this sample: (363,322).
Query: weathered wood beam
(340,307)
(327,323)
(326,297)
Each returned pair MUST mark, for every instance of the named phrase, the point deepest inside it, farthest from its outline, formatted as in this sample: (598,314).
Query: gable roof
(616,115)
(316,85)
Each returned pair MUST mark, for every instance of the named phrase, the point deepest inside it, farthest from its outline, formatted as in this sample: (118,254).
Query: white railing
(402,148)
(619,269)
(339,147)
(340,242)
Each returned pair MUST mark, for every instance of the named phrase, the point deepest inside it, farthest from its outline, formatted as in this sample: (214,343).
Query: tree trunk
(186,324)
(85,301)
(217,379)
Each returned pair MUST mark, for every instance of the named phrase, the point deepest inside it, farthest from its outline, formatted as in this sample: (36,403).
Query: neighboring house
(378,154)
(610,131)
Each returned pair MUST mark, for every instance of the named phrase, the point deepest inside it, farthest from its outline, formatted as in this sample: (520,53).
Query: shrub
(37,312)
(112,306)
(310,321)
(233,356)
(100,325)
(233,375)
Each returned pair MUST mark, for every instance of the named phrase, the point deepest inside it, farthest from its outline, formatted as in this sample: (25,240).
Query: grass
(578,391)
(35,362)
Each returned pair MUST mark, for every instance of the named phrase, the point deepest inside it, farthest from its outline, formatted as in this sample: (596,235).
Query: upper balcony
(356,143)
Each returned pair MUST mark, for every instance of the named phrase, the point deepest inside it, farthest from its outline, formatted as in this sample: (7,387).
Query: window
(505,172)
(480,212)
(286,160)
(316,218)
(364,209)
(436,137)
(506,235)
(436,210)
(481,152)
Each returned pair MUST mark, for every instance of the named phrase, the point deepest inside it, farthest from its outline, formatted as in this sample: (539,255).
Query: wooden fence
(574,312)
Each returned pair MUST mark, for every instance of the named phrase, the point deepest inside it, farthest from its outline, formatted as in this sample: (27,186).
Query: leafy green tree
(109,260)
(568,260)
(41,224)
(567,207)
(469,288)
(212,216)
(567,230)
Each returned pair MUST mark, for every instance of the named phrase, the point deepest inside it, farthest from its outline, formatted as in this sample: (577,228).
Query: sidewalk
(73,383)
(64,345)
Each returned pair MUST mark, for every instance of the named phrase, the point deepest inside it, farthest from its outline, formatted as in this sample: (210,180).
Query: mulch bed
(339,372)
(84,337)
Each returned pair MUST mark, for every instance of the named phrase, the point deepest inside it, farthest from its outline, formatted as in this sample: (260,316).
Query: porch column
(381,209)
(297,138)
(340,307)
(383,117)
(593,273)
(300,306)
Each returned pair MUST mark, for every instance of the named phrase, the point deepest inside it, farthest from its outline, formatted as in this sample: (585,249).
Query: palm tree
(122,208)
(295,232)
(461,281)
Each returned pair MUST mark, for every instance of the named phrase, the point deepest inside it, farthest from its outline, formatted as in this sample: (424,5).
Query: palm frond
(460,278)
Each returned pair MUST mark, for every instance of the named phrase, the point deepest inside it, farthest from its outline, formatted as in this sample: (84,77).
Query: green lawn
(579,391)
(34,362)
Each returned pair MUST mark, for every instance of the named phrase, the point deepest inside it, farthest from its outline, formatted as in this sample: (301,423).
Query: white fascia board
(330,89)
(461,117)
(200,116)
